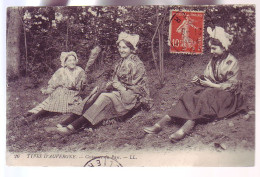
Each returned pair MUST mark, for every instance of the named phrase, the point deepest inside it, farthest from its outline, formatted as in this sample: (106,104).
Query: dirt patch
(232,133)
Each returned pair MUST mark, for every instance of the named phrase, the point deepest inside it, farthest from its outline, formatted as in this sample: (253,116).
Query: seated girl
(218,93)
(119,96)
(63,88)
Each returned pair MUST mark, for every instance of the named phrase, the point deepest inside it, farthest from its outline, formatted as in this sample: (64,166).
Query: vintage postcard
(125,86)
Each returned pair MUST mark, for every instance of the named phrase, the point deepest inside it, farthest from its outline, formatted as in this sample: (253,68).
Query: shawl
(225,72)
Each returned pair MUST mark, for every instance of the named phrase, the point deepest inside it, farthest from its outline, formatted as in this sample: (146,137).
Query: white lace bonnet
(220,34)
(132,38)
(64,55)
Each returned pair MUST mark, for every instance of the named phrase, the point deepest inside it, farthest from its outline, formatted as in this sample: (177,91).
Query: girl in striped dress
(63,88)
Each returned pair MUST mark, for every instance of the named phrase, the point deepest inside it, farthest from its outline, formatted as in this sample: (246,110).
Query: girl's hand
(43,90)
(109,85)
(46,91)
(206,82)
(102,87)
(195,79)
(117,85)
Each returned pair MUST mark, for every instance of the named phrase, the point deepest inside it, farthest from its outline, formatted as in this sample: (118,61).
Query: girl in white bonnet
(218,91)
(127,88)
(63,88)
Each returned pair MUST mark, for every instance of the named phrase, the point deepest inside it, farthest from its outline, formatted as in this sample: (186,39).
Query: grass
(129,134)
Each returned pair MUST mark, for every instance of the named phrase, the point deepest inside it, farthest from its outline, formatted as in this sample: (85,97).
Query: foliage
(51,30)
(237,20)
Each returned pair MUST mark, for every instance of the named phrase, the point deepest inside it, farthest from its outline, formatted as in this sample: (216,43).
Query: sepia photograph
(145,85)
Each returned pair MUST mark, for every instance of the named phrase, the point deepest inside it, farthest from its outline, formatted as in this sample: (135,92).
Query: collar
(221,57)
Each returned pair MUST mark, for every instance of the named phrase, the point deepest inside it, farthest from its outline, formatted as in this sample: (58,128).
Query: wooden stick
(67,36)
(152,43)
(160,53)
(162,41)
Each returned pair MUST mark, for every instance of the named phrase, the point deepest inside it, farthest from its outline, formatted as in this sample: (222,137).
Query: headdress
(132,38)
(220,34)
(64,56)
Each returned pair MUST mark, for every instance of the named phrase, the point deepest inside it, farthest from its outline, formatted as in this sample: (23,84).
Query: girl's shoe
(51,130)
(66,130)
(59,126)
(183,131)
(153,129)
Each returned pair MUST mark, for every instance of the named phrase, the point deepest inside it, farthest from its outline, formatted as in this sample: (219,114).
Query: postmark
(186,32)
(103,161)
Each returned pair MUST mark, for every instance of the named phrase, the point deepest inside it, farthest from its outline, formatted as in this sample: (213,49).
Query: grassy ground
(232,134)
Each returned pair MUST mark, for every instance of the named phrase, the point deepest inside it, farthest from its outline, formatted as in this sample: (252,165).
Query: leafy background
(51,30)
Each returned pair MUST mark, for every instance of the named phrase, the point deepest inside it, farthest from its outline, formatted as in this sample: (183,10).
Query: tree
(160,31)
(13,42)
(48,31)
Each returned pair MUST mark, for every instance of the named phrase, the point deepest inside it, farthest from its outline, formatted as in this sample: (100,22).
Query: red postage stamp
(186,31)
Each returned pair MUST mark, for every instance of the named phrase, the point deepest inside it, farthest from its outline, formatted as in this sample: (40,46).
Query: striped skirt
(62,100)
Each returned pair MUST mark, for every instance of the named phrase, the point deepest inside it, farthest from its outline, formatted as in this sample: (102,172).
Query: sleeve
(232,77)
(81,81)
(115,68)
(115,81)
(208,73)
(138,84)
(55,81)
(207,70)
(137,79)
(132,78)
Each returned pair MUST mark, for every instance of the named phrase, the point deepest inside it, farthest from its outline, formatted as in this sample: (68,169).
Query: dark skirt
(205,102)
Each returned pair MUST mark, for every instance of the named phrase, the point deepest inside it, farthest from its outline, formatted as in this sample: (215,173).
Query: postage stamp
(186,31)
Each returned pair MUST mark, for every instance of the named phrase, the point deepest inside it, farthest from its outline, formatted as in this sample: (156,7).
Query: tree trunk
(13,41)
